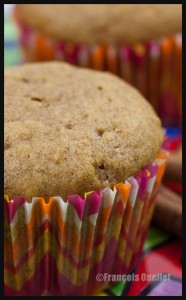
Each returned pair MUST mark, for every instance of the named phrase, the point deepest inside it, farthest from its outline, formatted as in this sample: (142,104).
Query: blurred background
(162,251)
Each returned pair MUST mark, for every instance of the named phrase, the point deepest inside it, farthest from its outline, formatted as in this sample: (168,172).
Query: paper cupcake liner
(59,247)
(154,67)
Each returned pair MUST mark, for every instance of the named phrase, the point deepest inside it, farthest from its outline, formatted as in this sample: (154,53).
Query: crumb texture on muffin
(70,130)
(103,23)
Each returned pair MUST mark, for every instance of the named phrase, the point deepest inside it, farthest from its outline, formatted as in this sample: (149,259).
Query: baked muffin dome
(70,130)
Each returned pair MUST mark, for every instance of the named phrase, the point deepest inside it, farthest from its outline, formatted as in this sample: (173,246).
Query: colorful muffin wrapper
(58,248)
(154,67)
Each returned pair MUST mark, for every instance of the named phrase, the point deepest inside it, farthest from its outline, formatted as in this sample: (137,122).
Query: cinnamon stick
(168,211)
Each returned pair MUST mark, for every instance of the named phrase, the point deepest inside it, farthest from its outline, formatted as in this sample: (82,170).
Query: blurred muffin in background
(142,43)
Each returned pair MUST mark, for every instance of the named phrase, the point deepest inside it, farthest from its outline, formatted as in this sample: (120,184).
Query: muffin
(83,163)
(142,43)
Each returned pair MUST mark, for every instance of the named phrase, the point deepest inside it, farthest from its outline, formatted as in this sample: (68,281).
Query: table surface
(162,253)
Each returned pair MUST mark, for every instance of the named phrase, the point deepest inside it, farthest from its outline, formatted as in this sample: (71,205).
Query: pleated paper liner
(59,247)
(154,67)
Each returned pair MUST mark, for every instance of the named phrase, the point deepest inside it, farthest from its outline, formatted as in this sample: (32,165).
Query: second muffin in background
(141,43)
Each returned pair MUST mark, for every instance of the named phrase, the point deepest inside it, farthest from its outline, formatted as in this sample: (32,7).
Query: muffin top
(103,23)
(70,130)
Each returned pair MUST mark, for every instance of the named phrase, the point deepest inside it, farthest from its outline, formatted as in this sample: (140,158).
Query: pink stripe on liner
(121,268)
(125,52)
(11,207)
(78,203)
(83,56)
(99,240)
(153,170)
(139,55)
(130,244)
(109,255)
(93,201)
(125,234)
(143,185)
(153,48)
(126,59)
(69,51)
(139,58)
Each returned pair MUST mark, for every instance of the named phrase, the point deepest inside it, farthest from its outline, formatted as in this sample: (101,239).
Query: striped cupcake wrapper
(58,248)
(154,67)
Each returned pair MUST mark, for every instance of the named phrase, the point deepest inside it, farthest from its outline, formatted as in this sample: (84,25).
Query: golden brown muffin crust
(70,130)
(103,23)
